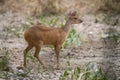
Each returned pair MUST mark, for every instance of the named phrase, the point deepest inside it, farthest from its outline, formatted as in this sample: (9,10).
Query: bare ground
(107,58)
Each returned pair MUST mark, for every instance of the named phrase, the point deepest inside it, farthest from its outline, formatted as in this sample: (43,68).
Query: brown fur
(38,36)
(45,34)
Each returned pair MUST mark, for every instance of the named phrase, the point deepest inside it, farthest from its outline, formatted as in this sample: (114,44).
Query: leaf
(65,73)
(78,70)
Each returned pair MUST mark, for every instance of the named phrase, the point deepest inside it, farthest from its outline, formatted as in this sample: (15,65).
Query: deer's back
(47,35)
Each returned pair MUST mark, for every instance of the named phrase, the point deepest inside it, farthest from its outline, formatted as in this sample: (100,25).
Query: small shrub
(91,72)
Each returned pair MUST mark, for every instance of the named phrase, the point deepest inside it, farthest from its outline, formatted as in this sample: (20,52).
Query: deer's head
(72,16)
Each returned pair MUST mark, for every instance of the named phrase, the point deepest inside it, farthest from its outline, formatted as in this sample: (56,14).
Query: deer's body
(37,36)
(46,35)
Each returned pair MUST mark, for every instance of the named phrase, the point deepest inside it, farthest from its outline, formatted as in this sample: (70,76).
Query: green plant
(112,34)
(30,57)
(4,74)
(7,75)
(70,74)
(72,38)
(106,19)
(91,72)
(4,60)
(28,23)
(23,73)
(12,31)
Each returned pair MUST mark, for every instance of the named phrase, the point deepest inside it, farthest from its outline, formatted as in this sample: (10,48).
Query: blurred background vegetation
(47,7)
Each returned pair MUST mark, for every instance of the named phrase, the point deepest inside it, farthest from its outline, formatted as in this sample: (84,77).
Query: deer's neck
(67,26)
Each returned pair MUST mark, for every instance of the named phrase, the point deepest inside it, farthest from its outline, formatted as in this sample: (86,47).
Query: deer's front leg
(57,51)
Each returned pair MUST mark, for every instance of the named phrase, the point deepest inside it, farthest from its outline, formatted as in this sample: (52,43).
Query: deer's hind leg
(36,54)
(29,47)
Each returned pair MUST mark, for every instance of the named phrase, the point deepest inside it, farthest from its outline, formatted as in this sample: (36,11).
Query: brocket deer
(37,36)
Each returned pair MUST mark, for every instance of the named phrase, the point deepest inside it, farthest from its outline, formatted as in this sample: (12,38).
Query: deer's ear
(73,13)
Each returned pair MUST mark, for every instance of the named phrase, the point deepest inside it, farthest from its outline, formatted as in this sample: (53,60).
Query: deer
(37,36)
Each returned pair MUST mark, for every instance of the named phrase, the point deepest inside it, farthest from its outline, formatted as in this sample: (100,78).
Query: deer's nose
(80,21)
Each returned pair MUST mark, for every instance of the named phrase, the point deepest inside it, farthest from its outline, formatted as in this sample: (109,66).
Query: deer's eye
(75,18)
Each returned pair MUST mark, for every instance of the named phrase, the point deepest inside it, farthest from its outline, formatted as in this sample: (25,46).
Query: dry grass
(37,7)
(111,5)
